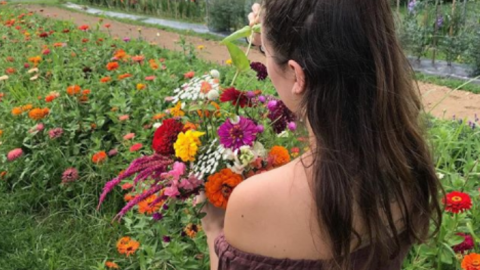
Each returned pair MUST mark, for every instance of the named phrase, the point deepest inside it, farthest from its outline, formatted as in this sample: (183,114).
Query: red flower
(136,147)
(467,243)
(234,96)
(456,202)
(189,75)
(165,136)
(83,27)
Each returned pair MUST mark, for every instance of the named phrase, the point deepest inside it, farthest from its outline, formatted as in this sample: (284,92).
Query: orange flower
(99,157)
(192,229)
(146,207)
(84,27)
(127,246)
(220,185)
(3,174)
(189,126)
(120,54)
(124,76)
(17,111)
(153,64)
(37,114)
(111,265)
(50,98)
(86,92)
(207,113)
(189,75)
(141,86)
(206,87)
(112,66)
(1,133)
(105,79)
(93,125)
(471,262)
(10,70)
(128,197)
(158,116)
(58,44)
(138,58)
(27,107)
(127,186)
(278,156)
(35,60)
(73,90)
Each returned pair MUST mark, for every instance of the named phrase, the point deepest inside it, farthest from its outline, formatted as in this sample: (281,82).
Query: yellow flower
(229,62)
(187,144)
(177,110)
(140,86)
(200,47)
(1,132)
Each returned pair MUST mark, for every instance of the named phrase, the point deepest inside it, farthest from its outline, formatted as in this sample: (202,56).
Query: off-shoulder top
(231,258)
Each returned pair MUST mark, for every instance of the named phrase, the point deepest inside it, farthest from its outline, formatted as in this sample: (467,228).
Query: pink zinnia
(14,154)
(129,136)
(55,133)
(69,175)
(150,78)
(136,147)
(467,243)
(40,127)
(124,117)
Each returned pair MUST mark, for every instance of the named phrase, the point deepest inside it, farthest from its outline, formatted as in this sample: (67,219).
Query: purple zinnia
(167,239)
(280,115)
(292,126)
(157,216)
(467,243)
(440,21)
(411,6)
(126,39)
(261,70)
(165,207)
(55,133)
(235,134)
(69,175)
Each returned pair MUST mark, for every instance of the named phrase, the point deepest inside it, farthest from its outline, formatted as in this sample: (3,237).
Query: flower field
(91,121)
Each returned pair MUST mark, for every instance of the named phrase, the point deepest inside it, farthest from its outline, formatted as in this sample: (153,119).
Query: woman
(367,189)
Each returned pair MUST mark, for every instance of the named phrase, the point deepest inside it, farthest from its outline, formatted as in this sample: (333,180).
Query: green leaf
(240,60)
(445,256)
(244,32)
(455,240)
(257,28)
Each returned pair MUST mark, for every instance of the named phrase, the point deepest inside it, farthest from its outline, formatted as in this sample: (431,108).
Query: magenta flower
(467,243)
(157,216)
(191,183)
(174,175)
(55,133)
(237,134)
(261,70)
(172,191)
(69,175)
(14,154)
(292,126)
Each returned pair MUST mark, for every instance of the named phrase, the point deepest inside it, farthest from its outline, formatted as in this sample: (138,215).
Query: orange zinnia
(127,246)
(99,157)
(37,114)
(112,66)
(153,64)
(128,197)
(50,98)
(206,87)
(17,111)
(146,207)
(10,70)
(73,90)
(278,156)
(111,265)
(105,79)
(220,186)
(207,113)
(120,54)
(138,58)
(141,86)
(158,116)
(192,229)
(124,76)
(471,262)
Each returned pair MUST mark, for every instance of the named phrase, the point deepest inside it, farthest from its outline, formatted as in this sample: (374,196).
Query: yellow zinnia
(187,144)
(177,110)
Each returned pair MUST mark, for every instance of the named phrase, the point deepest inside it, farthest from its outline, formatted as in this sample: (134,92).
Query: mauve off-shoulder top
(231,258)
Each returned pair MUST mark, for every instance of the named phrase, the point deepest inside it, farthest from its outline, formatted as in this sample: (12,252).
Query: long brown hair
(365,112)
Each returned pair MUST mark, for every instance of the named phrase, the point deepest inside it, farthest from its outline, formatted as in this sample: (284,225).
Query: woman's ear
(299,84)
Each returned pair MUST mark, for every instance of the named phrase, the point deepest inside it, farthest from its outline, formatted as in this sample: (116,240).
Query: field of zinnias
(78,106)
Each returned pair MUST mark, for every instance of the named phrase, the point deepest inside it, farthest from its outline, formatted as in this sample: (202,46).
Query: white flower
(235,119)
(213,95)
(440,175)
(3,78)
(259,149)
(157,125)
(193,89)
(215,73)
(247,155)
(228,154)
(284,134)
(32,70)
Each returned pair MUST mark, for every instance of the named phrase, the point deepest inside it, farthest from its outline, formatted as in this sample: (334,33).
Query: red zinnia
(136,147)
(234,96)
(467,243)
(165,136)
(457,202)
(83,27)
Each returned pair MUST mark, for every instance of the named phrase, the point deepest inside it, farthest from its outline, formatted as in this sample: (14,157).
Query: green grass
(448,82)
(52,239)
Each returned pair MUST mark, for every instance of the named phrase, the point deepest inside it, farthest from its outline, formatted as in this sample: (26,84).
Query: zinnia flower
(189,75)
(235,135)
(177,110)
(105,79)
(261,70)
(112,66)
(111,265)
(136,147)
(112,152)
(457,202)
(278,156)
(166,239)
(124,117)
(187,145)
(235,97)
(157,216)
(69,175)
(165,136)
(220,186)
(129,136)
(146,207)
(14,154)
(38,114)
(467,243)
(127,246)
(83,27)
(55,133)
(280,115)
(192,229)
(99,157)
(471,262)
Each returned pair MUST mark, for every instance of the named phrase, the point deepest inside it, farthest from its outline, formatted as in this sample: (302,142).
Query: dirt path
(461,104)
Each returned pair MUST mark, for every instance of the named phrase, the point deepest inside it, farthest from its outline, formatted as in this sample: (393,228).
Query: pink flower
(124,117)
(136,147)
(112,152)
(191,183)
(172,192)
(129,136)
(69,175)
(40,127)
(150,78)
(14,154)
(46,52)
(177,171)
(55,133)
